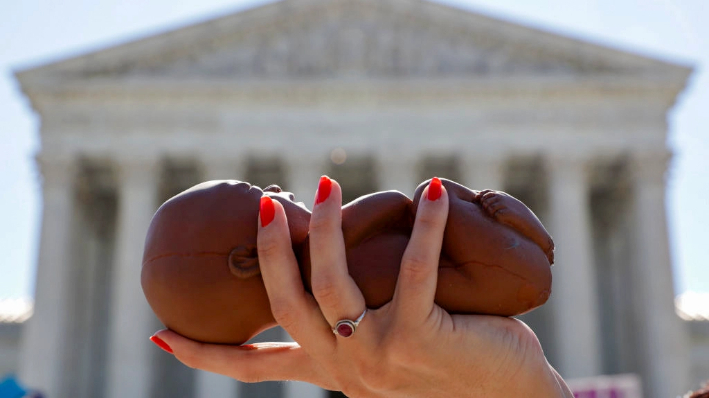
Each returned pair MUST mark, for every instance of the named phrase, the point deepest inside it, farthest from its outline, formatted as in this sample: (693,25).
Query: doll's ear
(243,262)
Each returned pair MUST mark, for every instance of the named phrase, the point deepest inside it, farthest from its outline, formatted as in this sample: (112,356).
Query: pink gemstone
(345,330)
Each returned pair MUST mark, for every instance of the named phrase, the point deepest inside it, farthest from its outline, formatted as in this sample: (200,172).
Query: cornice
(367,93)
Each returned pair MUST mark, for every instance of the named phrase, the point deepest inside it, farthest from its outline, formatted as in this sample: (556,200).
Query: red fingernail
(267,210)
(434,189)
(324,189)
(160,343)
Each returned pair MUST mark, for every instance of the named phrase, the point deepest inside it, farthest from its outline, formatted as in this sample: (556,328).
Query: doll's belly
(374,266)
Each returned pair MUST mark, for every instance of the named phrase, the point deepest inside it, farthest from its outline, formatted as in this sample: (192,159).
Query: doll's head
(200,262)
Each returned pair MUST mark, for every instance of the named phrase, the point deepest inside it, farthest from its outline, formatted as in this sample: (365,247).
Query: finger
(493,205)
(479,194)
(249,363)
(418,276)
(333,288)
(293,308)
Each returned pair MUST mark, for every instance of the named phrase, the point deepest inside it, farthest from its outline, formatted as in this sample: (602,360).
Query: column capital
(57,169)
(306,160)
(650,167)
(568,167)
(223,167)
(140,170)
(492,156)
(302,174)
(408,157)
(397,172)
(484,171)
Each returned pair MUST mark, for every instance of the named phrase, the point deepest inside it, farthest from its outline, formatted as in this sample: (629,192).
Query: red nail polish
(324,188)
(434,189)
(267,210)
(160,343)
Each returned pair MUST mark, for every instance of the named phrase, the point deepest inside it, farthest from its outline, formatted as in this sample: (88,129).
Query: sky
(33,32)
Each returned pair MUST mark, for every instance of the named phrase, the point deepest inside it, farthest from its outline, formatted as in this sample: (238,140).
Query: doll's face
(217,219)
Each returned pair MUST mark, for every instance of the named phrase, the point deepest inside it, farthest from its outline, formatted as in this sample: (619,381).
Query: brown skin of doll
(200,266)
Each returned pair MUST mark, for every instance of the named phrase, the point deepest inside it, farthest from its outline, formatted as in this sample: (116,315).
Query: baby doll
(201,272)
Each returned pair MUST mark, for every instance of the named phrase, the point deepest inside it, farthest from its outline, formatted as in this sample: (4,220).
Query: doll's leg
(513,213)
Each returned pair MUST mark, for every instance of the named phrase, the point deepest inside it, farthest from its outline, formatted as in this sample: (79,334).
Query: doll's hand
(410,347)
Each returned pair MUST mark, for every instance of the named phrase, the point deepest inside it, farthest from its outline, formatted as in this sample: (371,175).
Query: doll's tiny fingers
(250,363)
(494,205)
(489,195)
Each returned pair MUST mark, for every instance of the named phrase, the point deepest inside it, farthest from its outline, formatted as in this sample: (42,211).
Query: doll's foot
(499,205)
(513,213)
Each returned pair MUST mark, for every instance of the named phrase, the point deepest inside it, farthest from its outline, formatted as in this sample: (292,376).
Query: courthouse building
(379,94)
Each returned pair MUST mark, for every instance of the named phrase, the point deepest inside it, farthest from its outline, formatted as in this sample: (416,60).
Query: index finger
(418,276)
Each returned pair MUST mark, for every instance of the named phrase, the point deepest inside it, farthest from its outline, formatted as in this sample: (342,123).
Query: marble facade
(408,89)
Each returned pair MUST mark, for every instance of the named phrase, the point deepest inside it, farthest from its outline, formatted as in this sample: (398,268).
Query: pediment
(302,39)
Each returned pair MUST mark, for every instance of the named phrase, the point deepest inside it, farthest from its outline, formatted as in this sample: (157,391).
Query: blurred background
(593,113)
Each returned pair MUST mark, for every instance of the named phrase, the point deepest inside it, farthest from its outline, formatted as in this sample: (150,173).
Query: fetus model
(201,272)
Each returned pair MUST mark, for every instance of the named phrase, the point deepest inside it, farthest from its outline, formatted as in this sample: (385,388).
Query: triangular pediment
(301,39)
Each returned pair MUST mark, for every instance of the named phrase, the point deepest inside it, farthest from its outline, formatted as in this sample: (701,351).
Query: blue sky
(37,31)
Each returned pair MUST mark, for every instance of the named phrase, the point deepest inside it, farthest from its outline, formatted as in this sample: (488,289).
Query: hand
(410,347)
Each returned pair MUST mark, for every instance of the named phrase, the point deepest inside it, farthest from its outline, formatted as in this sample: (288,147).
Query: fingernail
(324,188)
(267,210)
(160,343)
(434,189)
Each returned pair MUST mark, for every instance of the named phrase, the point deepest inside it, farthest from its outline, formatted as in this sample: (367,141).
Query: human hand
(410,347)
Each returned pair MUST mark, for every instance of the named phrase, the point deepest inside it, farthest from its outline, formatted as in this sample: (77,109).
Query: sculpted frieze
(352,41)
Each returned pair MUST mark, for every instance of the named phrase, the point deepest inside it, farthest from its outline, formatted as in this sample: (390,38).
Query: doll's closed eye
(273,188)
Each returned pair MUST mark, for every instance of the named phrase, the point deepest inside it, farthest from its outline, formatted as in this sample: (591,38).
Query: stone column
(44,336)
(574,301)
(395,172)
(303,175)
(209,385)
(130,353)
(483,171)
(665,348)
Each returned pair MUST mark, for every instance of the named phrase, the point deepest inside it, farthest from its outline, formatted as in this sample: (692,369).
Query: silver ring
(347,327)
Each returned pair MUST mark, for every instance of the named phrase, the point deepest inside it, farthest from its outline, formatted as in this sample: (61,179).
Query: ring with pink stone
(347,327)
